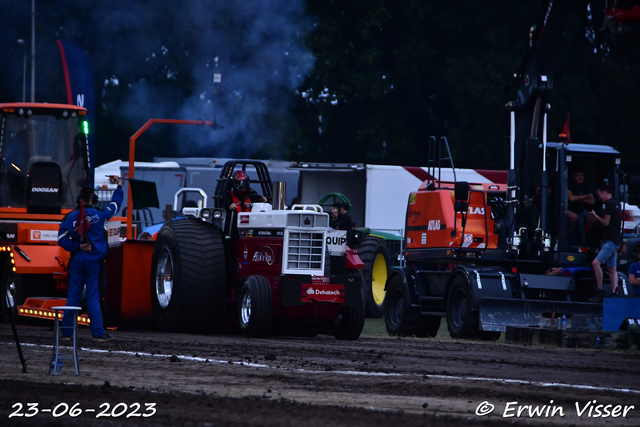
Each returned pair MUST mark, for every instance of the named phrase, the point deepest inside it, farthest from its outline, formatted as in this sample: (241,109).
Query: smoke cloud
(157,58)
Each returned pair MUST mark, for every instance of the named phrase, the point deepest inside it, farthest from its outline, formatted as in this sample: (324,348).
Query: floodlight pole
(23,45)
(33,50)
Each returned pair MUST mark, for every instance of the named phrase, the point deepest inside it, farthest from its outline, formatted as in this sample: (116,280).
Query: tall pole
(33,50)
(23,45)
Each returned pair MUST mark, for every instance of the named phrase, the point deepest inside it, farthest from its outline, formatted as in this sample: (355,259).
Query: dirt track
(230,380)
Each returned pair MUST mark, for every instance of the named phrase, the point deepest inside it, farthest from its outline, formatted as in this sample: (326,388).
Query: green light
(86,127)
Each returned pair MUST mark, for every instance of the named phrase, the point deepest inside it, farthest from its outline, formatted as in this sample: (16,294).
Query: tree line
(326,81)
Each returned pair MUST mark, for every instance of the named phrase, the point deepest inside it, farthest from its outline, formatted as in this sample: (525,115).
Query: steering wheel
(252,197)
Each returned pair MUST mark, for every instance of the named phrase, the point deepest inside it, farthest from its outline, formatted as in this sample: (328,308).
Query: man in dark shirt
(345,222)
(611,240)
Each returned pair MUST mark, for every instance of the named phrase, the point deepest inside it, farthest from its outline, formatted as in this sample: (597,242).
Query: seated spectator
(566,271)
(581,201)
(334,214)
(634,278)
(295,201)
(145,235)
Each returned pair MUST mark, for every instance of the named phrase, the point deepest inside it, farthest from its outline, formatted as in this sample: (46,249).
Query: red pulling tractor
(268,270)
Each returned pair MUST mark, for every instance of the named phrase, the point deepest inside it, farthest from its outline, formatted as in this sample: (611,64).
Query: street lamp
(33,50)
(24,69)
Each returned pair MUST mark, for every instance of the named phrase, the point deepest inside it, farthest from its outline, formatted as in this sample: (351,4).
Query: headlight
(217,214)
(205,213)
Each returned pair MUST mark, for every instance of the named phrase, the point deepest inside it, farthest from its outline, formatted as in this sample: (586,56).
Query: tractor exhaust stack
(279,195)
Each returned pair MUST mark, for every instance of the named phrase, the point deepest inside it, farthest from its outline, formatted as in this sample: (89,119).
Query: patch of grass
(376,328)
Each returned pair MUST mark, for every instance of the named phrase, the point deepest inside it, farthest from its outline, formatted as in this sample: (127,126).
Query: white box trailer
(378,195)
(173,174)
(201,169)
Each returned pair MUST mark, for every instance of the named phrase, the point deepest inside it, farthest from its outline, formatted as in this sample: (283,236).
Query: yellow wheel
(379,276)
(374,254)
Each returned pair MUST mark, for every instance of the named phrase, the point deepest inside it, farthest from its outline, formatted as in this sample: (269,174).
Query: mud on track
(230,380)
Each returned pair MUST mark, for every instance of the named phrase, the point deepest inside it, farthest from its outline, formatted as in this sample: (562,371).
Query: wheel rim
(245,308)
(396,307)
(378,279)
(164,278)
(459,308)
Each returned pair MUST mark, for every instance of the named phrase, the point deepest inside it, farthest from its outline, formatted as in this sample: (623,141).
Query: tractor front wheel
(401,318)
(352,321)
(461,321)
(256,305)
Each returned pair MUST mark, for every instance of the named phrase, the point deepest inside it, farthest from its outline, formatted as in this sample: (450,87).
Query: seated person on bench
(581,202)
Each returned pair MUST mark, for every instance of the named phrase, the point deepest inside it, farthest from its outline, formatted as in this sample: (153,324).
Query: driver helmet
(240,181)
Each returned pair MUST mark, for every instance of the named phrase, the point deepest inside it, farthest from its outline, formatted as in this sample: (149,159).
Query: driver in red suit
(241,191)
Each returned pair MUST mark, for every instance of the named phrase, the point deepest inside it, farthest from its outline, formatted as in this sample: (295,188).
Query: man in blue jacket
(82,232)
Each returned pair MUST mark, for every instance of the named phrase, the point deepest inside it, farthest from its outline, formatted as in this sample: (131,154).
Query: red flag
(82,223)
(565,136)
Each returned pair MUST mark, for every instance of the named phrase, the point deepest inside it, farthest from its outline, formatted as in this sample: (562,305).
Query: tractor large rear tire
(374,254)
(256,306)
(188,277)
(401,318)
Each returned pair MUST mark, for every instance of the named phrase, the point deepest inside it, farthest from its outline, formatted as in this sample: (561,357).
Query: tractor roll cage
(224,184)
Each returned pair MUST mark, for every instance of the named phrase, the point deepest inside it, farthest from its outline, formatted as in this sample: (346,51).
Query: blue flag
(78,77)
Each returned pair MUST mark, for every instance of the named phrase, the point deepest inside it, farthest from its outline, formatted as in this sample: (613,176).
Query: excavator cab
(581,169)
(38,142)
